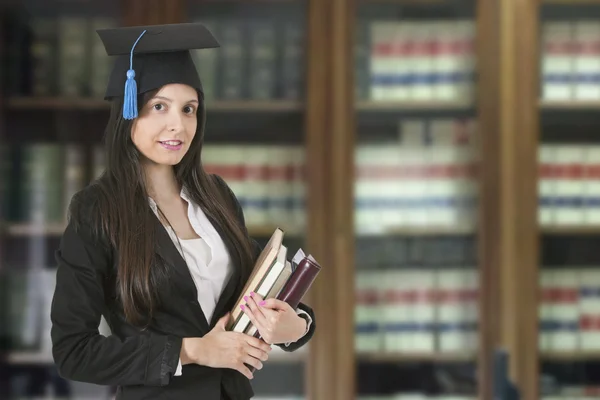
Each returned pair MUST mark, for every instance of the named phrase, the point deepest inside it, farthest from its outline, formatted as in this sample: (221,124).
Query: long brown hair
(127,220)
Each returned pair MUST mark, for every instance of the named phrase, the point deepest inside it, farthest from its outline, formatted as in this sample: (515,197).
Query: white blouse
(207,259)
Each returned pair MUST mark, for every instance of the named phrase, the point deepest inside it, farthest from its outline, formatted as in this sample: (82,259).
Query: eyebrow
(170,101)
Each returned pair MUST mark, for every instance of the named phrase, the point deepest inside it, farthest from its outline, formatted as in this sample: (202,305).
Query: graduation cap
(149,57)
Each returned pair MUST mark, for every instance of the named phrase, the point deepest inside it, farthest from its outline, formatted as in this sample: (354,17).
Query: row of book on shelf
(258,58)
(574,392)
(569,184)
(416,310)
(569,312)
(416,396)
(415,60)
(39,180)
(425,177)
(570,60)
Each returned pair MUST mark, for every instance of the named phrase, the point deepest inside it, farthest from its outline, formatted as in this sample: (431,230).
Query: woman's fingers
(241,367)
(258,353)
(257,322)
(255,362)
(252,302)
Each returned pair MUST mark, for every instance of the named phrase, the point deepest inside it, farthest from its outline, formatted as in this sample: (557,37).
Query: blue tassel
(130,109)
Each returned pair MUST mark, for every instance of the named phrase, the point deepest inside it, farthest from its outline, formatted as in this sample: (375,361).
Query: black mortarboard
(159,55)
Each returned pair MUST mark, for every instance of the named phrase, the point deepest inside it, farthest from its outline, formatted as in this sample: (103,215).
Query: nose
(175,122)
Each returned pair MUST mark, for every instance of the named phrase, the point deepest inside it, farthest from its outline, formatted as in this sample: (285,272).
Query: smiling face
(166,125)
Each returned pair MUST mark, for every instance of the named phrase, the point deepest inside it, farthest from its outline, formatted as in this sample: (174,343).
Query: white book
(422,310)
(390,186)
(592,185)
(465,84)
(368,336)
(298,188)
(397,312)
(565,310)
(587,60)
(443,60)
(422,62)
(570,185)
(557,61)
(367,186)
(546,184)
(545,309)
(589,309)
(449,311)
(257,187)
(382,60)
(401,59)
(280,184)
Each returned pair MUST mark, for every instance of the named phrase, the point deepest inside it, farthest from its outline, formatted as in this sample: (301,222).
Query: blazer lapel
(167,251)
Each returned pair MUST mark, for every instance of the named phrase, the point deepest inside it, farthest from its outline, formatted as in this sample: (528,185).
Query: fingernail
(252,294)
(245,298)
(242,306)
(262,303)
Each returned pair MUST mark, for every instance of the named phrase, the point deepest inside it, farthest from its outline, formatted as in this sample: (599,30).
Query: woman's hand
(223,349)
(276,320)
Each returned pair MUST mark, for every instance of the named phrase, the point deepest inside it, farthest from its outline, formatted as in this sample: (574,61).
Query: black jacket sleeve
(80,352)
(257,249)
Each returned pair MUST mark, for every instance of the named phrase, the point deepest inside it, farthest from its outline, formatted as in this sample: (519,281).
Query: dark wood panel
(321,368)
(508,233)
(341,201)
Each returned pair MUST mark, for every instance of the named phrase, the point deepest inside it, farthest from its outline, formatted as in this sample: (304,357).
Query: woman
(159,247)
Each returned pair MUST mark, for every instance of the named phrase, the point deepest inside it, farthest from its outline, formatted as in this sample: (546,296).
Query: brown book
(261,268)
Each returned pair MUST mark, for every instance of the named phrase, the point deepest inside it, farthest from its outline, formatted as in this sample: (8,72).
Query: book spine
(299,283)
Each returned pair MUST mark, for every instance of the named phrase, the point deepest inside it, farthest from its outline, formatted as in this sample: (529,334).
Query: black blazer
(140,362)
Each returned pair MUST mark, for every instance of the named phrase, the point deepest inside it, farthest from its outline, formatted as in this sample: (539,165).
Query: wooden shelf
(34,230)
(408,2)
(569,104)
(56,103)
(416,357)
(570,230)
(58,229)
(569,356)
(412,105)
(571,2)
(39,358)
(419,231)
(75,103)
(255,106)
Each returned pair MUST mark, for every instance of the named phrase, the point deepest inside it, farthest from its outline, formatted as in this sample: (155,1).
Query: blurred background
(417,148)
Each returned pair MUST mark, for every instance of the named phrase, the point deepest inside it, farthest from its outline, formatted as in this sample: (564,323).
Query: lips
(172,144)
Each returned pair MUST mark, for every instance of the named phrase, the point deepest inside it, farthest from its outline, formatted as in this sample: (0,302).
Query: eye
(158,106)
(189,109)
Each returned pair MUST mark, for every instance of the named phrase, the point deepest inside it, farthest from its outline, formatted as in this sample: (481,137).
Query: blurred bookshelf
(415,198)
(569,322)
(53,90)
(418,154)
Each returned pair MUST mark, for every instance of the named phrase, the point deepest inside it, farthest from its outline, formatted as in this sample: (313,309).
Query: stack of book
(274,276)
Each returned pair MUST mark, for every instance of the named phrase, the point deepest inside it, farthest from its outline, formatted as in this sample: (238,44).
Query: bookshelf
(566,344)
(252,118)
(493,256)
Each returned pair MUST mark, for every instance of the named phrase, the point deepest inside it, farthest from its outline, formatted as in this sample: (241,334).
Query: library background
(440,158)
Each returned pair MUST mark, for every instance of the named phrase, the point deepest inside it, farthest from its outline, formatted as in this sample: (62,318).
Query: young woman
(159,247)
